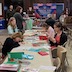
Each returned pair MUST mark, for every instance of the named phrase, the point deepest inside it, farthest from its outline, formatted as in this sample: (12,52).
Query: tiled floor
(4,35)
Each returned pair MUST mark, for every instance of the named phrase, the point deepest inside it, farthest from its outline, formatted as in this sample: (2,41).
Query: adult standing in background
(19,18)
(49,30)
(10,12)
(30,12)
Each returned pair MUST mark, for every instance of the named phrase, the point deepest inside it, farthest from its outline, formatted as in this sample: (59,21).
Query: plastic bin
(2,24)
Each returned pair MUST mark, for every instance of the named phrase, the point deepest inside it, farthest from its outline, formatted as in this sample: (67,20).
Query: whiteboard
(0,8)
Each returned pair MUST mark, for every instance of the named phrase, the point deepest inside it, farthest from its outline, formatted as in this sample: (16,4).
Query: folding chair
(61,53)
(64,45)
(57,63)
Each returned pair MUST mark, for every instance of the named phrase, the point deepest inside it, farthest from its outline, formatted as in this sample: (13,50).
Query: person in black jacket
(10,12)
(60,37)
(11,42)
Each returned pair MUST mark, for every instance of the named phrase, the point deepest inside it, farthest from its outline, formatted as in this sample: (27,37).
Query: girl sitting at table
(60,37)
(37,23)
(11,42)
(12,28)
(49,30)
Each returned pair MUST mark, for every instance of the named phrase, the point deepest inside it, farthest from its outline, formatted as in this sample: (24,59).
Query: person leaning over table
(60,37)
(12,27)
(49,30)
(11,42)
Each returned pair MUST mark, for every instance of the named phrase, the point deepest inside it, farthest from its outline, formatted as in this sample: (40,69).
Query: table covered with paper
(37,55)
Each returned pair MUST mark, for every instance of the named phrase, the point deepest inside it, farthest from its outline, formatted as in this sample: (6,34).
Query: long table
(39,61)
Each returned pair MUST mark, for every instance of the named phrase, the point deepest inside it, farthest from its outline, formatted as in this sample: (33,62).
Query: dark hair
(59,25)
(50,22)
(18,8)
(45,25)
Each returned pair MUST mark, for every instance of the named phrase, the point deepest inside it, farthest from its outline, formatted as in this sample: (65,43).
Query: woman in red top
(60,37)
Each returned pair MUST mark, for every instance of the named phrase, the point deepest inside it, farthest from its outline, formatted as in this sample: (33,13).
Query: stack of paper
(52,68)
(9,67)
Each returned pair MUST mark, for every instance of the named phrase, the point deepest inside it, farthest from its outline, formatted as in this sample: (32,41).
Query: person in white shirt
(62,17)
(12,28)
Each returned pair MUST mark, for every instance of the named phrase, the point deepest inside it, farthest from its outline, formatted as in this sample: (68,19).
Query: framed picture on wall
(0,9)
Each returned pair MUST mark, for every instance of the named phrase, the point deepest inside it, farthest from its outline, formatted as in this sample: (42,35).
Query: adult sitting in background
(19,18)
(11,42)
(49,30)
(60,37)
(12,28)
(29,23)
(50,20)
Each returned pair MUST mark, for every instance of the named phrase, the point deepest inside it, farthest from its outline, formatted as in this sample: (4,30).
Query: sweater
(11,30)
(9,44)
(9,14)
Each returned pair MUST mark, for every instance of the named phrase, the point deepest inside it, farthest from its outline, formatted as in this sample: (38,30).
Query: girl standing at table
(12,28)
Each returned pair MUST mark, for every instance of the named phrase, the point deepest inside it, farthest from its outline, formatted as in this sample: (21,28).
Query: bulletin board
(0,9)
(43,10)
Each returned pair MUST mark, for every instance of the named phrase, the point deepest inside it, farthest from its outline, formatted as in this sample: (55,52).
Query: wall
(70,8)
(28,3)
(67,3)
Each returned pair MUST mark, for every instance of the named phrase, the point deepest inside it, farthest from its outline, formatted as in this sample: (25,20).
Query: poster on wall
(0,9)
(42,10)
